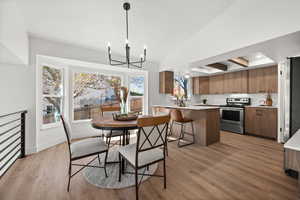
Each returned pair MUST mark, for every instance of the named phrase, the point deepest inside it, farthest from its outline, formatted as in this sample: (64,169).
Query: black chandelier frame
(128,62)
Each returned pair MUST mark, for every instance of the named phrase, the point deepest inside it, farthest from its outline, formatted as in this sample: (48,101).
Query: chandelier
(128,62)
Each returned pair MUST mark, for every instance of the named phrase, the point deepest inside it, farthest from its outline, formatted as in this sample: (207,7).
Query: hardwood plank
(240,61)
(238,167)
(219,66)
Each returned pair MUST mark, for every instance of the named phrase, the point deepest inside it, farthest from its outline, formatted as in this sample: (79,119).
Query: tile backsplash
(220,99)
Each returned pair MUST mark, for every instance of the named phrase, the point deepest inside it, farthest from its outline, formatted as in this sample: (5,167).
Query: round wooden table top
(109,123)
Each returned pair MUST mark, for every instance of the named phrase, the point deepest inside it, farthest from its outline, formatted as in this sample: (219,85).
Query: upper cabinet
(260,80)
(263,80)
(200,85)
(166,82)
(236,82)
(216,84)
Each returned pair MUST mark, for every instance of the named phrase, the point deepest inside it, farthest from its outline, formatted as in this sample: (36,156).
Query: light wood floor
(239,167)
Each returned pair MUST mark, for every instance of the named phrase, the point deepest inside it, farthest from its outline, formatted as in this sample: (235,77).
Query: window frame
(189,89)
(41,95)
(144,111)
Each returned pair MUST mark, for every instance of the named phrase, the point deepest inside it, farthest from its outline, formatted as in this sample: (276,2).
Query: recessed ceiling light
(259,56)
(187,76)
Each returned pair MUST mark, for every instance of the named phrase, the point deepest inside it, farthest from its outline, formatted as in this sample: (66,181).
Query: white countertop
(188,107)
(258,106)
(294,142)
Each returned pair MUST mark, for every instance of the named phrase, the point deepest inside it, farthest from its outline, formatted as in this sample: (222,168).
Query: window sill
(81,121)
(50,126)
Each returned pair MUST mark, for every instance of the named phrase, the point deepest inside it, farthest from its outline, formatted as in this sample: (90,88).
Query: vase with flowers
(122,94)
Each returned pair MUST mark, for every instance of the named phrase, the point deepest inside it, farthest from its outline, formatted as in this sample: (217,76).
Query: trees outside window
(52,94)
(90,90)
(180,87)
(137,91)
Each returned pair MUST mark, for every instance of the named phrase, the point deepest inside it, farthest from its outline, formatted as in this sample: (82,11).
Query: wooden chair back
(152,132)
(109,108)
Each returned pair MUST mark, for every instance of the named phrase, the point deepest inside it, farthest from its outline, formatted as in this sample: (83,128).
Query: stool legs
(182,135)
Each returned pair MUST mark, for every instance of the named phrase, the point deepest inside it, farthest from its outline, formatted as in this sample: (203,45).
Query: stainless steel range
(232,114)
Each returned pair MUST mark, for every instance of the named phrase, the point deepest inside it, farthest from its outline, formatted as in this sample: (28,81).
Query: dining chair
(164,111)
(151,137)
(82,149)
(178,118)
(109,134)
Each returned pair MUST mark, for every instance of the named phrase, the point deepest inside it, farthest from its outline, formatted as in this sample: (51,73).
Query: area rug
(96,176)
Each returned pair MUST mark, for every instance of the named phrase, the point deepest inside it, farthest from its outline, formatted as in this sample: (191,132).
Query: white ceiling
(243,24)
(160,25)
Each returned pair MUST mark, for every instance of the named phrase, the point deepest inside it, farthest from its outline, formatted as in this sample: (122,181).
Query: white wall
(17,93)
(39,46)
(13,36)
(245,23)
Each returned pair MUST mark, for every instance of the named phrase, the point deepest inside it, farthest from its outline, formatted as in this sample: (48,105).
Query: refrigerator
(294,95)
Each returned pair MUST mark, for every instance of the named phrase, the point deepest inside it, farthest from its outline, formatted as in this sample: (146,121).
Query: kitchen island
(206,122)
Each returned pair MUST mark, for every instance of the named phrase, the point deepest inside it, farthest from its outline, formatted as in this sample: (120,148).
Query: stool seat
(178,118)
(184,120)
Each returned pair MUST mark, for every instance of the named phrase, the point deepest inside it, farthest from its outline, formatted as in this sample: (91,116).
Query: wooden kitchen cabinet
(166,82)
(196,85)
(271,79)
(261,121)
(263,80)
(200,85)
(228,83)
(236,82)
(204,85)
(216,84)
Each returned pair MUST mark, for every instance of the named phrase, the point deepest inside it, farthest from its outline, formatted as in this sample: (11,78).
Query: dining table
(109,124)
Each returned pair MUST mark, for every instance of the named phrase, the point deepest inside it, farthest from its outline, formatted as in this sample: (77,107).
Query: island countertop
(206,121)
(188,107)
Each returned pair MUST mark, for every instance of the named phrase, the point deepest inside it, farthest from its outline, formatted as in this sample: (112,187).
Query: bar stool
(177,118)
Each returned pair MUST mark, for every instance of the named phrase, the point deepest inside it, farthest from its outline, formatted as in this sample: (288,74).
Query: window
(52,94)
(180,87)
(136,95)
(91,90)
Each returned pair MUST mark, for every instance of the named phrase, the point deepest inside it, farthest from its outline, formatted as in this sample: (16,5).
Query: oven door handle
(237,109)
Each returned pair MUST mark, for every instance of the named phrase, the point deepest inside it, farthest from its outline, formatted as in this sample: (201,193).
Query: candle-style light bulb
(145,47)
(126,42)
(108,44)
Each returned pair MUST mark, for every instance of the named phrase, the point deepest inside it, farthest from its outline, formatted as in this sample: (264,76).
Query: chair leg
(166,148)
(165,176)
(69,173)
(120,167)
(192,124)
(99,160)
(180,135)
(136,185)
(171,128)
(105,161)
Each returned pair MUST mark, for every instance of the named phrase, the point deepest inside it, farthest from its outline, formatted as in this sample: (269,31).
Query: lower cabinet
(261,122)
